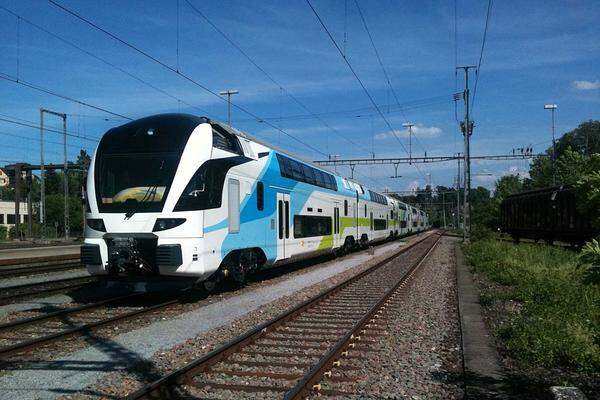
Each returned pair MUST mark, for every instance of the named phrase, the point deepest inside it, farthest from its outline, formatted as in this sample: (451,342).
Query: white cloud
(418,130)
(586,85)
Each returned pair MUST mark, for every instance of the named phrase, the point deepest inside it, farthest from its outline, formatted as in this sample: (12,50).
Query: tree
(507,185)
(583,140)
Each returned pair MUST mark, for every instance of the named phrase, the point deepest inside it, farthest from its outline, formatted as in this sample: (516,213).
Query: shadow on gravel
(509,387)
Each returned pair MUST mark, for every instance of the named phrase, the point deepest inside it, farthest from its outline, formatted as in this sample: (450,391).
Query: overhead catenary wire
(385,73)
(57,94)
(392,130)
(181,74)
(366,112)
(101,59)
(33,125)
(266,74)
(485,30)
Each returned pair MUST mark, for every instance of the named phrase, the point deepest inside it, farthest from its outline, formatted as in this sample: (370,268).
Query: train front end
(141,190)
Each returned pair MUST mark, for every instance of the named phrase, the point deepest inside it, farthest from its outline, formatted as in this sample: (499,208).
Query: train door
(336,224)
(283,225)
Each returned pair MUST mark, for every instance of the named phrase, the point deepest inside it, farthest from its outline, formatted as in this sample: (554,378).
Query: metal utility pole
(409,126)
(467,131)
(18,200)
(42,171)
(228,93)
(444,208)
(553,107)
(458,193)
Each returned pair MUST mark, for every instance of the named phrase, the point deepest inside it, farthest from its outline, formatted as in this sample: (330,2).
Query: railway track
(12,293)
(60,325)
(37,265)
(306,350)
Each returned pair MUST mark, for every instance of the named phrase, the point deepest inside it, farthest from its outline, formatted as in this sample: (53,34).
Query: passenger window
(260,196)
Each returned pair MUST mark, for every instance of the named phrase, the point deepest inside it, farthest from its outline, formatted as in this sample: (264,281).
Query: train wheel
(247,263)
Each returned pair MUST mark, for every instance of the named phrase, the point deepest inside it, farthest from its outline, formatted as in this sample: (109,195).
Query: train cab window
(345,208)
(225,141)
(260,196)
(204,191)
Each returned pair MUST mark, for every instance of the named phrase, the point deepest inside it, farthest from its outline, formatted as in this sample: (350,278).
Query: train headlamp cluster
(162,224)
(96,224)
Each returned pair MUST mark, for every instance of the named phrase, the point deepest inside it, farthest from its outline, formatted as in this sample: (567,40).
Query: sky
(291,77)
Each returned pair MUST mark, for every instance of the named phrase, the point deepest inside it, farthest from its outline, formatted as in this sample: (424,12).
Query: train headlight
(162,224)
(96,224)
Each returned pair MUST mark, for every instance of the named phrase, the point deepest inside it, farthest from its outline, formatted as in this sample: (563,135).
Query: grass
(558,322)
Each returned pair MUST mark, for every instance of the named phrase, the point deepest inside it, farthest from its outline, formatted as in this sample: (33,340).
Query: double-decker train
(180,195)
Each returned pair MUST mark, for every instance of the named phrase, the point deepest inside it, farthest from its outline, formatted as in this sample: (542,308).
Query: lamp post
(552,107)
(228,93)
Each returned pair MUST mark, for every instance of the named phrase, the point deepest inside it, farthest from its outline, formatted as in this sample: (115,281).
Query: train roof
(538,192)
(245,135)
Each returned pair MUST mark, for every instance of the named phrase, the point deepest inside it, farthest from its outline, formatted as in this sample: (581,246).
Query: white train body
(178,195)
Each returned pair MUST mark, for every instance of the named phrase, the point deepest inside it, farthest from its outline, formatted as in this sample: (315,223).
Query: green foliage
(3,232)
(481,232)
(559,320)
(589,260)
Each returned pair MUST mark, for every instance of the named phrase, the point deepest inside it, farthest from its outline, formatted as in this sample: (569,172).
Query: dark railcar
(548,214)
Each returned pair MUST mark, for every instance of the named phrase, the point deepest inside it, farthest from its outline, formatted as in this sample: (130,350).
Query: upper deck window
(378,198)
(301,172)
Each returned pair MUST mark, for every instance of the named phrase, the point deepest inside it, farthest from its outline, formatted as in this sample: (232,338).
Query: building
(7,213)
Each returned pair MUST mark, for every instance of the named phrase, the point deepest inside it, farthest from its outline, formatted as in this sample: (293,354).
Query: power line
(363,112)
(36,139)
(32,125)
(487,20)
(387,78)
(89,53)
(56,94)
(184,76)
(265,73)
(357,78)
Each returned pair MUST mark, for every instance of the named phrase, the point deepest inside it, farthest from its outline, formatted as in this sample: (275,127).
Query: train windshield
(134,182)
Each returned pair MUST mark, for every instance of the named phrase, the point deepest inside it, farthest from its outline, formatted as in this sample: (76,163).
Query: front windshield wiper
(150,194)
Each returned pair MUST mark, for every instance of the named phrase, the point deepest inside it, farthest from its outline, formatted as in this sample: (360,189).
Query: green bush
(559,321)
(3,232)
(481,232)
(589,260)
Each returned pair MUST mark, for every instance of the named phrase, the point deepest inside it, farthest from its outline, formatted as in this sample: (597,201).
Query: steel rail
(60,313)
(162,388)
(38,269)
(81,329)
(76,282)
(40,260)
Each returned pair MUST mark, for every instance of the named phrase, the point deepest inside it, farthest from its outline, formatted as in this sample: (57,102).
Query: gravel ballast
(419,356)
(73,372)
